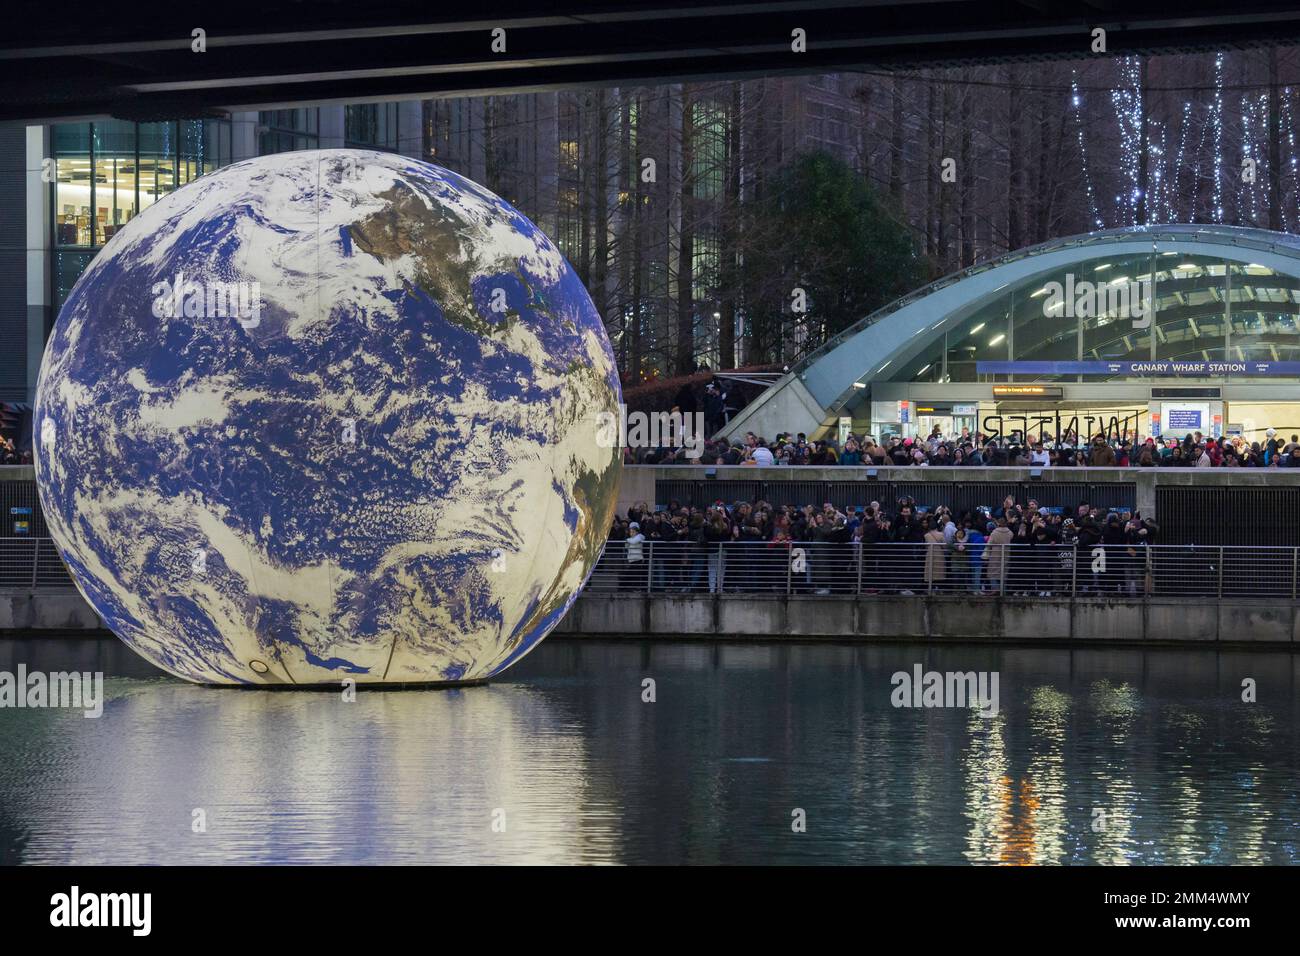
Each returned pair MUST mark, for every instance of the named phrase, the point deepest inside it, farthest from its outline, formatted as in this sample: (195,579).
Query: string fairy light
(1216,121)
(1076,101)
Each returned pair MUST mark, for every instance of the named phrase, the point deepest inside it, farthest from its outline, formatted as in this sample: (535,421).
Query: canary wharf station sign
(1139,368)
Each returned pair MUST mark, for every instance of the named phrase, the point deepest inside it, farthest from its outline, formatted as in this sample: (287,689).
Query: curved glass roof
(1209,293)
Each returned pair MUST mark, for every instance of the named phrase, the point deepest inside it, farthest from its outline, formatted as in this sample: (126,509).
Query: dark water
(1105,756)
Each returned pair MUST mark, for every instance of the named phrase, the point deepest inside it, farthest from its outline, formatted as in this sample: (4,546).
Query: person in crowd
(959,560)
(909,565)
(975,547)
(996,553)
(936,570)
(714,418)
(634,557)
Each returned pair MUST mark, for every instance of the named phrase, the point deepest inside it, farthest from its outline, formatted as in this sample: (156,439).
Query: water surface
(1096,756)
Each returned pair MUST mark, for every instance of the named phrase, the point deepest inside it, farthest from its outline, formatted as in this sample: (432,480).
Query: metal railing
(819,567)
(31,562)
(1046,570)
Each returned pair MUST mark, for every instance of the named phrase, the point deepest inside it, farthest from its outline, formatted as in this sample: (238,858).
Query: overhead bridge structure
(143,62)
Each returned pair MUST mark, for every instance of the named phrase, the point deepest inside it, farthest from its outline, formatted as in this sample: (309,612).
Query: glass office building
(105,174)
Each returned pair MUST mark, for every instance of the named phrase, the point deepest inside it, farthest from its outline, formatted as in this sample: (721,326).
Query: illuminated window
(106,173)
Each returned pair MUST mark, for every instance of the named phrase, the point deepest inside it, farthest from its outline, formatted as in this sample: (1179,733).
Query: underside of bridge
(143,62)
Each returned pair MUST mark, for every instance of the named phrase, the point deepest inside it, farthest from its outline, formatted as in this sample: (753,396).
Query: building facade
(76,184)
(650,247)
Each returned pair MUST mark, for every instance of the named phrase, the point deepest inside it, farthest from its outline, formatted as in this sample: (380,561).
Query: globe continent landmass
(328,415)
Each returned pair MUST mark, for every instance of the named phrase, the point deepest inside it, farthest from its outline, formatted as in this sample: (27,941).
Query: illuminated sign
(1031,391)
(1157,367)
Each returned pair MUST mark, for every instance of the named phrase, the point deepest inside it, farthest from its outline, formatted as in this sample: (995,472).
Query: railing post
(1074,572)
(1148,579)
(858,589)
(650,567)
(1295,566)
(1220,572)
(789,568)
(36,560)
(1006,567)
(722,565)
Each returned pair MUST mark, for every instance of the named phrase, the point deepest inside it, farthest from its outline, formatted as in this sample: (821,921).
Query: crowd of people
(1193,450)
(10,455)
(1010,548)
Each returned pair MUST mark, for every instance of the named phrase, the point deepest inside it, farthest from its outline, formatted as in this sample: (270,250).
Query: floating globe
(328,415)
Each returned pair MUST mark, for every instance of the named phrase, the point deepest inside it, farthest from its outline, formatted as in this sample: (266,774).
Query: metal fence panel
(17,561)
(848,495)
(969,495)
(20,506)
(1112,495)
(50,569)
(729,491)
(1263,516)
(800,493)
(687,492)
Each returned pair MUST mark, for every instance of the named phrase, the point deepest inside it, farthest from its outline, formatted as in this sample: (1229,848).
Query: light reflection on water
(1096,756)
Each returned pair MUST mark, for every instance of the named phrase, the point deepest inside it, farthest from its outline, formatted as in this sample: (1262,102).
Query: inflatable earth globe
(328,415)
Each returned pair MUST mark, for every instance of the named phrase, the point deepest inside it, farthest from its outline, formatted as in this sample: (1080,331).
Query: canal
(747,753)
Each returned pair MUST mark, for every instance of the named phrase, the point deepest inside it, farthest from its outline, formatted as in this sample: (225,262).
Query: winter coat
(997,545)
(935,551)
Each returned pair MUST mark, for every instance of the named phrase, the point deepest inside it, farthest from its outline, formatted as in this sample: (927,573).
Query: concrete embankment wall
(839,617)
(881,617)
(40,609)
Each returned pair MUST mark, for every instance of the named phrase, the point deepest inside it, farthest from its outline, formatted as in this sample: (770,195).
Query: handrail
(1048,570)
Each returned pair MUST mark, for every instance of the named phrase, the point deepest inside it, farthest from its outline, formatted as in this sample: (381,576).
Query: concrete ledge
(682,613)
(752,615)
(812,616)
(1050,619)
(608,614)
(851,617)
(962,619)
(1100,619)
(943,618)
(46,609)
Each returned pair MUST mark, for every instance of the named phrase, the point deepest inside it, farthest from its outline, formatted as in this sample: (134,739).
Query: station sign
(1159,367)
(1028,391)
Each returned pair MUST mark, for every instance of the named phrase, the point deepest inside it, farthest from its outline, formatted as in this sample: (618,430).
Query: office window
(106,173)
(282,131)
(372,125)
